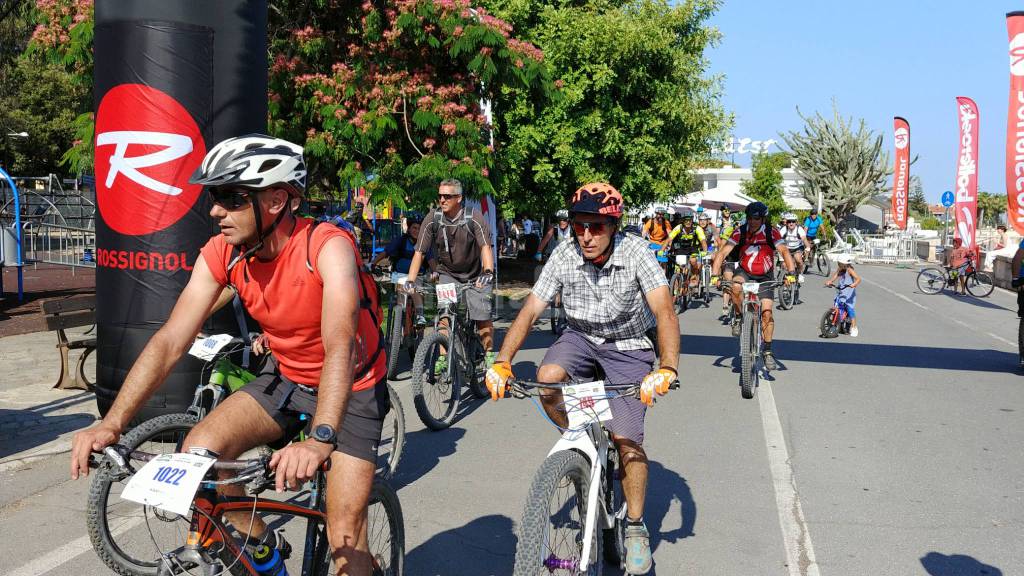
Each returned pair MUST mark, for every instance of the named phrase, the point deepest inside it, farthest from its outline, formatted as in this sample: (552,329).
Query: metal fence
(57,244)
(883,248)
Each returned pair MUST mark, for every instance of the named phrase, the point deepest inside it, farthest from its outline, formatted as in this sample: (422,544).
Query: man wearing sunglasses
(615,295)
(461,244)
(756,241)
(302,283)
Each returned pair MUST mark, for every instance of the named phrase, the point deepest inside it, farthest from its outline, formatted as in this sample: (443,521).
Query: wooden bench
(61,314)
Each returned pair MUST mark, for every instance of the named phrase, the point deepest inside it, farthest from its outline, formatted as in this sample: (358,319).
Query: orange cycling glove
(497,378)
(656,383)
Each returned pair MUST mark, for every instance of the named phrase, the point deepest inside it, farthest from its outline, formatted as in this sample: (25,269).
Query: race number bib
(398,279)
(207,348)
(447,294)
(586,403)
(168,482)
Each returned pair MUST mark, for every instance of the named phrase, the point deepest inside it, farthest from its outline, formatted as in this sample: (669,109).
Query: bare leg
(767,320)
(485,328)
(236,425)
(551,400)
(633,474)
(736,300)
(348,490)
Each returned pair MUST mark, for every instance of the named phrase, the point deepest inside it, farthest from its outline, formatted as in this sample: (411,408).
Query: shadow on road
(486,546)
(26,429)
(423,450)
(948,296)
(846,352)
(937,564)
(664,487)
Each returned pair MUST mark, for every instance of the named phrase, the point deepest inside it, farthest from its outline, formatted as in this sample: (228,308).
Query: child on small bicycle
(846,279)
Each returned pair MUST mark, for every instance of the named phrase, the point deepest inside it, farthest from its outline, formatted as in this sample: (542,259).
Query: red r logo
(147,146)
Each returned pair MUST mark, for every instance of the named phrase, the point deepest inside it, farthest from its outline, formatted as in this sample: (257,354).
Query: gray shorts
(583,360)
(765,292)
(285,402)
(478,300)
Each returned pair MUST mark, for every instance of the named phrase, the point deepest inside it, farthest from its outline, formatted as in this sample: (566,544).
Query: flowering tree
(387,95)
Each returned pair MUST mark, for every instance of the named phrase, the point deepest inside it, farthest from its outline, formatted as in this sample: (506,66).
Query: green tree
(846,166)
(765,183)
(634,105)
(918,203)
(990,208)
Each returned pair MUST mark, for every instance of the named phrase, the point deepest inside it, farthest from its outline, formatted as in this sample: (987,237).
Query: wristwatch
(324,433)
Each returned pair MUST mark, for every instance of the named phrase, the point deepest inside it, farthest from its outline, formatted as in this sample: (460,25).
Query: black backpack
(743,241)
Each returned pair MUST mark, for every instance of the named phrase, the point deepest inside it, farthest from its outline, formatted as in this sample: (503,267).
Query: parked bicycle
(114,523)
(932,279)
(211,547)
(449,358)
(751,359)
(573,497)
(836,320)
(818,259)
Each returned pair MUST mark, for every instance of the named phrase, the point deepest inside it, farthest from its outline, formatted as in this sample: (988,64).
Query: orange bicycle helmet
(597,198)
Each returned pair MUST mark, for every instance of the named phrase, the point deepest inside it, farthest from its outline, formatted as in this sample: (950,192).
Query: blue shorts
(581,358)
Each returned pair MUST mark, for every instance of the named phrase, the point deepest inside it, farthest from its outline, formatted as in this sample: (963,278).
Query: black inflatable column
(171,80)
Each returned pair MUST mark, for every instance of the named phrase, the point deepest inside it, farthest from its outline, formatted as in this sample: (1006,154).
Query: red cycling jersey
(758,257)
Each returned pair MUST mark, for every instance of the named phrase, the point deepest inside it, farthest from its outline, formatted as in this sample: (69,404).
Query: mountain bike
(932,279)
(679,283)
(573,497)
(787,293)
(209,546)
(400,326)
(705,278)
(437,385)
(112,521)
(836,320)
(751,359)
(818,258)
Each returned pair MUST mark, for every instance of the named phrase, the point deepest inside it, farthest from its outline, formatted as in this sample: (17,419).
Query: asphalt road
(898,452)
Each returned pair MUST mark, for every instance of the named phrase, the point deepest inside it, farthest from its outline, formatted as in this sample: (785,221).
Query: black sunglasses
(448,196)
(230,199)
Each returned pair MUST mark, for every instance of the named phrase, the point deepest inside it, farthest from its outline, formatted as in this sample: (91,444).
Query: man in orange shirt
(657,229)
(302,284)
(958,260)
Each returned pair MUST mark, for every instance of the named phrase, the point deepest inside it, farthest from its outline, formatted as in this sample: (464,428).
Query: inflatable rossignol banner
(1015,123)
(171,80)
(966,190)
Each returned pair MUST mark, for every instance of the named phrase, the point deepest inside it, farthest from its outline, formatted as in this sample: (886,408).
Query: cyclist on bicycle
(401,251)
(730,263)
(811,224)
(304,286)
(710,230)
(461,242)
(614,295)
(556,234)
(688,240)
(756,243)
(796,240)
(657,229)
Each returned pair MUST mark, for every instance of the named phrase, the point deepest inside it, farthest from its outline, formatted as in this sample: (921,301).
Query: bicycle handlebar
(525,388)
(255,471)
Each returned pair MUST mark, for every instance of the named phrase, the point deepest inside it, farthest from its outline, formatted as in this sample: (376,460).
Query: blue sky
(877,60)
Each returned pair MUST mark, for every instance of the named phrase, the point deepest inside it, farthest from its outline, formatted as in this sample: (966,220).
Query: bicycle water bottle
(268,561)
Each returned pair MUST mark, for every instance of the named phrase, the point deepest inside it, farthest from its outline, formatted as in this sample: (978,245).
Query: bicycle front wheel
(748,353)
(131,538)
(385,531)
(931,280)
(395,339)
(979,284)
(679,292)
(828,326)
(436,391)
(392,440)
(552,531)
(823,263)
(787,293)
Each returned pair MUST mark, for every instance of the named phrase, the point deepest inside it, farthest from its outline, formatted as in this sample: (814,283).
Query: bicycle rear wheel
(931,280)
(680,292)
(828,327)
(551,533)
(748,354)
(437,392)
(130,538)
(392,440)
(787,293)
(979,284)
(385,531)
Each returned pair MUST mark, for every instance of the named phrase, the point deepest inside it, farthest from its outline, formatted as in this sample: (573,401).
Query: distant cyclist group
(318,309)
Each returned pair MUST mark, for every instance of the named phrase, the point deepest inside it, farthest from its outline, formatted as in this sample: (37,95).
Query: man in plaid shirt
(614,294)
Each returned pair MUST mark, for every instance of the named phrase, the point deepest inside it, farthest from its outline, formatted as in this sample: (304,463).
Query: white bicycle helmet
(255,161)
(789,216)
(562,215)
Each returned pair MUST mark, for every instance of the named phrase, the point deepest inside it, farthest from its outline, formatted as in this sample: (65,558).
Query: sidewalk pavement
(37,420)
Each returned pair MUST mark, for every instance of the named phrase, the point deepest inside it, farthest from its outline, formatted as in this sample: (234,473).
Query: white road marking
(68,552)
(800,557)
(923,307)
